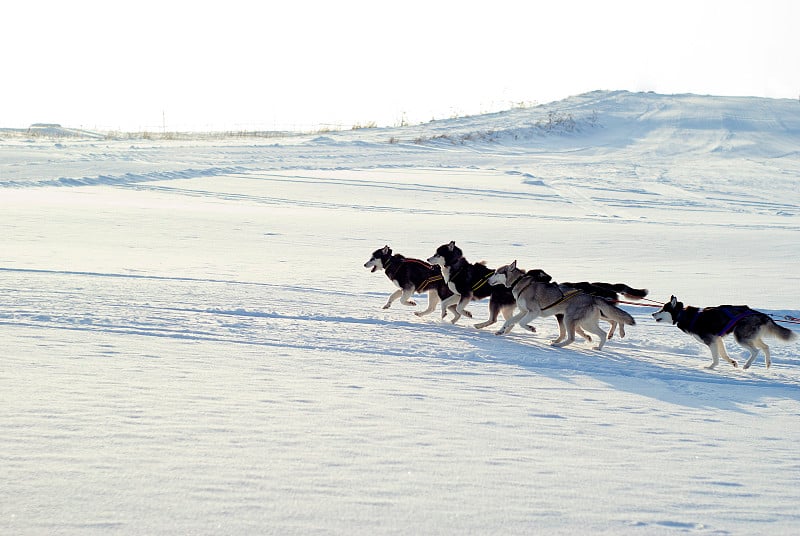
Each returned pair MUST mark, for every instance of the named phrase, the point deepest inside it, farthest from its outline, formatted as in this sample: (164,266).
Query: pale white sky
(133,65)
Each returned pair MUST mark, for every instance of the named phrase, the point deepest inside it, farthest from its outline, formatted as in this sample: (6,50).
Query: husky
(537,298)
(469,282)
(610,292)
(711,324)
(412,276)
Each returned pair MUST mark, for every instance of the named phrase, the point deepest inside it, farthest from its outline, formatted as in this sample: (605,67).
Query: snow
(191,344)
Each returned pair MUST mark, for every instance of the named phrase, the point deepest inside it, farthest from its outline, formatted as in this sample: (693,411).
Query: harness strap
(454,275)
(563,298)
(482,282)
(420,262)
(429,281)
(388,270)
(734,319)
(528,282)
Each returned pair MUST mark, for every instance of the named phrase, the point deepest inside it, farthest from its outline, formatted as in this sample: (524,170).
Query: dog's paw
(747,366)
(500,331)
(532,329)
(411,303)
(735,364)
(387,305)
(467,314)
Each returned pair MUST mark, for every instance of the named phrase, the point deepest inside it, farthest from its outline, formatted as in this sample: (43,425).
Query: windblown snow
(191,345)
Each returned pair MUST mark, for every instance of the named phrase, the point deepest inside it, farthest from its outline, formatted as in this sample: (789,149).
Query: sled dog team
(521,296)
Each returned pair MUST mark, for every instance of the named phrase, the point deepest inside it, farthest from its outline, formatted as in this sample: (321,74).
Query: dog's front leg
(714,346)
(529,317)
(724,353)
(460,308)
(569,326)
(396,294)
(562,331)
(509,324)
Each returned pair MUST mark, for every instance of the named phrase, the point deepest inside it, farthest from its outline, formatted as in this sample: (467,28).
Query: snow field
(192,345)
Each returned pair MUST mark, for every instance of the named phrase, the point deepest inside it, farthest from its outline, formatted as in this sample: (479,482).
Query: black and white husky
(412,276)
(711,324)
(470,281)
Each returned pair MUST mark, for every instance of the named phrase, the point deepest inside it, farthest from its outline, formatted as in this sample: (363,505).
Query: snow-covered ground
(191,345)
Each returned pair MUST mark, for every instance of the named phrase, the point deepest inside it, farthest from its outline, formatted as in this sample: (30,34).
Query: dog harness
(482,282)
(734,313)
(520,278)
(564,297)
(425,284)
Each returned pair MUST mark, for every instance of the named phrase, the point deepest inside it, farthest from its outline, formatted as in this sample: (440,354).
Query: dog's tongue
(373,269)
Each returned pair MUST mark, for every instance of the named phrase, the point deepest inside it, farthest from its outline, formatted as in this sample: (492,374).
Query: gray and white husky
(711,324)
(536,298)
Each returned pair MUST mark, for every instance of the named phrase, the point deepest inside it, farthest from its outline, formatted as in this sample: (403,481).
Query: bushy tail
(614,313)
(629,292)
(781,332)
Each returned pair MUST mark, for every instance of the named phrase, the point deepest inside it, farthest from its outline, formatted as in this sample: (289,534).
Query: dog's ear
(386,249)
(451,245)
(673,301)
(513,265)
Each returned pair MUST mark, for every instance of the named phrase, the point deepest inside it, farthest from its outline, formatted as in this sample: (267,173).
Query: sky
(300,64)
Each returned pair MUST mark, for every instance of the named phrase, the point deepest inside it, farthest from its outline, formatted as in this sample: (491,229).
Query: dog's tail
(780,332)
(613,312)
(629,292)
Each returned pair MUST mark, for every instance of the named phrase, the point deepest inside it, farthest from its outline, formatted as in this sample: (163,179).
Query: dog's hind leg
(595,328)
(449,303)
(433,301)
(569,328)
(406,297)
(754,347)
(767,359)
(494,310)
(396,294)
(613,328)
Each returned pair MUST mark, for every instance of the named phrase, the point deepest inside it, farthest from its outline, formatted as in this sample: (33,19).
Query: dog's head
(446,254)
(507,275)
(670,311)
(379,258)
(539,275)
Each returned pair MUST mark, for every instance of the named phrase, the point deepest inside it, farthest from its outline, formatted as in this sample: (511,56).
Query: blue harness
(734,314)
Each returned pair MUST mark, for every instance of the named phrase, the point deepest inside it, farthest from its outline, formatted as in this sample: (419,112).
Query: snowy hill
(191,343)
